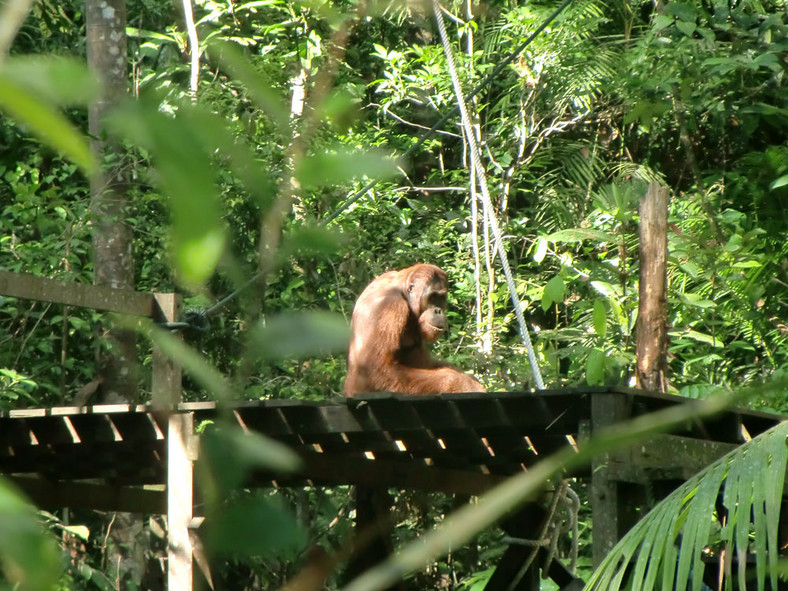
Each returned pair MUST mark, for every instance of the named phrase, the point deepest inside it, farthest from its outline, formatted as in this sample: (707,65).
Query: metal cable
(492,221)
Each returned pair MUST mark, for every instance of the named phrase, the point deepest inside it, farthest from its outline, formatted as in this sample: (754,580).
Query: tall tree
(112,238)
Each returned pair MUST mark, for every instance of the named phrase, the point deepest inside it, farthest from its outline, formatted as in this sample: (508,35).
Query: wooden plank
(83,295)
(98,497)
(179,502)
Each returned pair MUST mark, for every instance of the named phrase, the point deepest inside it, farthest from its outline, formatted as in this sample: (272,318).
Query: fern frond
(669,541)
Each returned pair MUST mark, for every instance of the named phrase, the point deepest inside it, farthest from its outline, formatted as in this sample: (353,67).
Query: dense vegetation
(609,96)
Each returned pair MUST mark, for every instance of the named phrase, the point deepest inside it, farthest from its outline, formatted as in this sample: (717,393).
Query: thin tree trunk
(652,328)
(112,240)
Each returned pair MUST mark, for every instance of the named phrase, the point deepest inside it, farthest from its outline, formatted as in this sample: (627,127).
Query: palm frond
(667,544)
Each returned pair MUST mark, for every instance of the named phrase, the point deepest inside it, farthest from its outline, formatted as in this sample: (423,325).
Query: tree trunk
(112,256)
(652,329)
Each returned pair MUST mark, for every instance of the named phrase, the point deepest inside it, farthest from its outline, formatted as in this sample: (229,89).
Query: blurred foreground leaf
(44,121)
(341,165)
(29,556)
(188,177)
(295,335)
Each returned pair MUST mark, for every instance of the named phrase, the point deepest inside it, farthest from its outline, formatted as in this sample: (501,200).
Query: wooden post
(652,329)
(166,381)
(179,502)
(166,395)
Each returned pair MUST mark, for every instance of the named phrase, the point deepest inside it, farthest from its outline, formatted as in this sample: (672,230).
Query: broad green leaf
(595,367)
(192,362)
(341,165)
(44,121)
(746,264)
(702,337)
(256,527)
(541,249)
(296,335)
(662,21)
(554,292)
(686,27)
(600,318)
(696,300)
(310,240)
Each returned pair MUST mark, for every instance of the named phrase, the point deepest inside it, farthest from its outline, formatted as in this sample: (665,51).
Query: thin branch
(11,18)
(194,48)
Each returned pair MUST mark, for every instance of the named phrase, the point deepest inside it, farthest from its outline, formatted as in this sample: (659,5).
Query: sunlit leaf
(780,182)
(541,249)
(554,292)
(595,367)
(600,318)
(580,234)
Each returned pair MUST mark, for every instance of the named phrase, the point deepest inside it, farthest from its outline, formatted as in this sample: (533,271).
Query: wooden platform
(451,443)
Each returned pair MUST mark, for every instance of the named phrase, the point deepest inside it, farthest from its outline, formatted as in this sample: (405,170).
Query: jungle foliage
(240,178)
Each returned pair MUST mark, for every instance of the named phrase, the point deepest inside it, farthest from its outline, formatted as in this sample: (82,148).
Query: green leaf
(686,27)
(702,338)
(662,21)
(600,318)
(553,292)
(595,367)
(696,300)
(44,121)
(260,88)
(192,362)
(780,182)
(541,249)
(187,175)
(258,527)
(30,557)
(296,335)
(746,264)
(341,165)
(60,81)
(580,234)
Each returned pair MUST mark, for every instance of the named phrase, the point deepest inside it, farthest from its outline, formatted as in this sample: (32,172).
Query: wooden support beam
(179,501)
(610,506)
(82,295)
(665,457)
(99,497)
(401,474)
